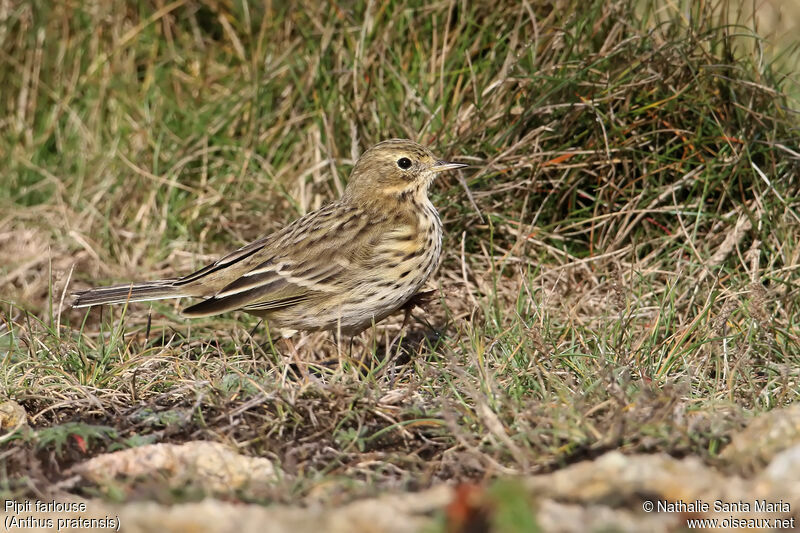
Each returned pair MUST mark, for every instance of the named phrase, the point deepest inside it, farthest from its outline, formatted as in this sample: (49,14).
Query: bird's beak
(441,166)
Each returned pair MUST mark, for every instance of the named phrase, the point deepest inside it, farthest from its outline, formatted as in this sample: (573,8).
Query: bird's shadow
(375,359)
(365,353)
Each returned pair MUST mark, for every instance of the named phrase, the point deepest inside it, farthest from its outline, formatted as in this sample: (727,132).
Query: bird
(343,267)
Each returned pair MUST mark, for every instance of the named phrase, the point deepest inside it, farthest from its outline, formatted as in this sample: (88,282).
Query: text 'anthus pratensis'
(345,266)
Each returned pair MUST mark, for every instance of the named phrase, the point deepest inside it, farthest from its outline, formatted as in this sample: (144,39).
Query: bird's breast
(417,251)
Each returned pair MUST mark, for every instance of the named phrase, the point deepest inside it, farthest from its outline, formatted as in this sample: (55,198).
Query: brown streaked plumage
(344,266)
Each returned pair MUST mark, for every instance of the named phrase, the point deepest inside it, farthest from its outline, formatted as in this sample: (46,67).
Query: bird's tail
(129,292)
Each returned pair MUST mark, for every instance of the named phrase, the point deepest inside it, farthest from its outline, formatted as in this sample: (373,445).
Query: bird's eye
(404,163)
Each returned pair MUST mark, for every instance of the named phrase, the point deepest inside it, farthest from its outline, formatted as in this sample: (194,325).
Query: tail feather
(129,292)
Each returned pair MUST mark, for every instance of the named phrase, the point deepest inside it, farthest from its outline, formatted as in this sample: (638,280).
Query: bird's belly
(366,304)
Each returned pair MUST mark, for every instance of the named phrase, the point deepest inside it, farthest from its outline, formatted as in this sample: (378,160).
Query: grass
(621,265)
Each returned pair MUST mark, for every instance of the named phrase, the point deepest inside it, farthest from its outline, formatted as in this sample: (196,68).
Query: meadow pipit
(343,267)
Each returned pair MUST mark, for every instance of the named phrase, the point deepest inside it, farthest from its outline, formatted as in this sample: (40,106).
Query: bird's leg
(421,300)
(301,366)
(253,331)
(359,363)
(350,357)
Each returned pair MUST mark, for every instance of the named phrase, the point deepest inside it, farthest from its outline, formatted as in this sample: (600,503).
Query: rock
(390,514)
(764,437)
(785,466)
(212,467)
(12,418)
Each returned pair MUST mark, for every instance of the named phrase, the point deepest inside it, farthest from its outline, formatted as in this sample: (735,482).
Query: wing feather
(243,300)
(307,260)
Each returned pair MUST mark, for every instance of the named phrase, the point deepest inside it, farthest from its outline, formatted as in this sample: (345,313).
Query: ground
(621,257)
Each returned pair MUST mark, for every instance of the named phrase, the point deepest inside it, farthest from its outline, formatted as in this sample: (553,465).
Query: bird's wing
(308,259)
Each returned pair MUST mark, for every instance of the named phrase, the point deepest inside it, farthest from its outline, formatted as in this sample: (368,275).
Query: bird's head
(395,168)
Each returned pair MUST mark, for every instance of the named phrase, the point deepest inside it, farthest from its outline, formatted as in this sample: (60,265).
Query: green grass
(621,265)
